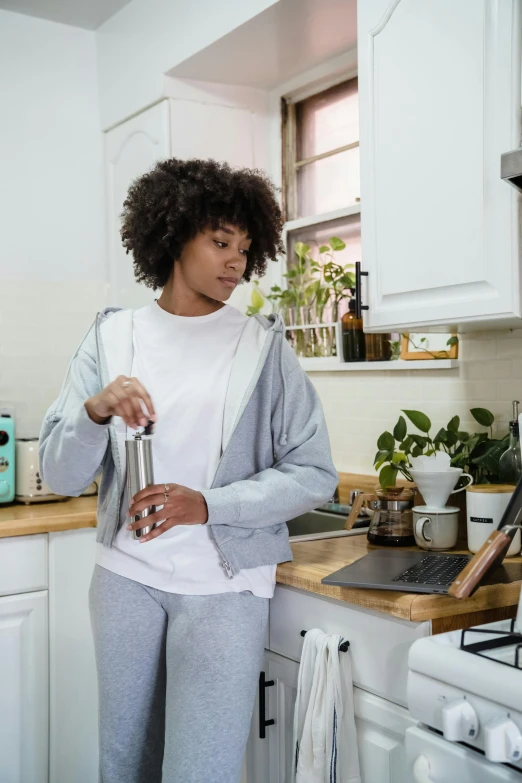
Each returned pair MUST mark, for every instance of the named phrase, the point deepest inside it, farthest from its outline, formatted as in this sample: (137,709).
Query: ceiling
(288,38)
(89,14)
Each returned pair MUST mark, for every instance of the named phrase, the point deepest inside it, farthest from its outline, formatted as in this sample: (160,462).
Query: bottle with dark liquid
(354,342)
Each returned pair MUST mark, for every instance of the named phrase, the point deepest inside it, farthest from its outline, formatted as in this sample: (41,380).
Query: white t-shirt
(185,364)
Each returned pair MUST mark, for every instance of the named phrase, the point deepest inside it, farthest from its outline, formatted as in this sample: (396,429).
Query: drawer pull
(263,722)
(343,647)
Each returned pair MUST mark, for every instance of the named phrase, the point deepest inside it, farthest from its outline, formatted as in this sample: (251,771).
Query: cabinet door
(24,700)
(439,87)
(281,702)
(256,766)
(130,150)
(381,729)
(73,686)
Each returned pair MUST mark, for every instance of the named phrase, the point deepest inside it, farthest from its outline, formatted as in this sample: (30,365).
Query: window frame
(288,157)
(290,164)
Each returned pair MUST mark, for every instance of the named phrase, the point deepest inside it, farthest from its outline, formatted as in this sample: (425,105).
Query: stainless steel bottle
(140,474)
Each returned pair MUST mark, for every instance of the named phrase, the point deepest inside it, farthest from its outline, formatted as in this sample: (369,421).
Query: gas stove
(466,688)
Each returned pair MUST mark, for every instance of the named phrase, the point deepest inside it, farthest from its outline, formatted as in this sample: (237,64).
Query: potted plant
(477,453)
(313,287)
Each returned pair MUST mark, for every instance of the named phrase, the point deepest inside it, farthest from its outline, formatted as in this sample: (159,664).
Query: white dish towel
(325,739)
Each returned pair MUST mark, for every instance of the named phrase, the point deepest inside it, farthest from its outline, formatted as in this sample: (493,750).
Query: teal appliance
(7,459)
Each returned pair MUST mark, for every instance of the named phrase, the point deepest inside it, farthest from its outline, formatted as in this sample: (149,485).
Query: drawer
(23,564)
(379,643)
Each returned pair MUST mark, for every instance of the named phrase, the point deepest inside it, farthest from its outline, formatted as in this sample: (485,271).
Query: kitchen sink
(316,525)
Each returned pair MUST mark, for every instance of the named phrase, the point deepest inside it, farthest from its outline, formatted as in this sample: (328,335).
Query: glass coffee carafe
(392,519)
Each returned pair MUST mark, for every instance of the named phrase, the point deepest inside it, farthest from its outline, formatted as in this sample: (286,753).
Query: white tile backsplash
(358,408)
(41,326)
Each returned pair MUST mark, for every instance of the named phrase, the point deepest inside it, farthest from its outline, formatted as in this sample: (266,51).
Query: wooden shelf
(332,364)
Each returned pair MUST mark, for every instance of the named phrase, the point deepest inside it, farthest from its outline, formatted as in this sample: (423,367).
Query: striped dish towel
(324,739)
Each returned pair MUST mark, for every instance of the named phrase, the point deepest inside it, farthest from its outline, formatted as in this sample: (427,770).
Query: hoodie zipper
(228,570)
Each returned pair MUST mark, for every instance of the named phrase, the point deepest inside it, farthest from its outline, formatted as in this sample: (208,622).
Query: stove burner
(503,639)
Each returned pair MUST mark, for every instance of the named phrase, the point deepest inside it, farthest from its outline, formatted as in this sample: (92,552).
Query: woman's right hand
(123,398)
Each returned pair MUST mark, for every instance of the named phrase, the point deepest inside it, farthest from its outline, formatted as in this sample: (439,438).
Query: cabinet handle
(359,307)
(263,723)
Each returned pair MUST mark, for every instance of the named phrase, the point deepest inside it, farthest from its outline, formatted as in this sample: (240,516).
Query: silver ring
(166,487)
(126,383)
(166,498)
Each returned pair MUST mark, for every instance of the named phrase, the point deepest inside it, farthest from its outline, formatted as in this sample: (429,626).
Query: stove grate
(500,639)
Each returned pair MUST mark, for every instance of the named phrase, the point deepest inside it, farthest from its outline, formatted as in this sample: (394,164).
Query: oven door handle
(421,770)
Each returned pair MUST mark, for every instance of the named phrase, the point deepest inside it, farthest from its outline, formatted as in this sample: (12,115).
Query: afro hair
(178,199)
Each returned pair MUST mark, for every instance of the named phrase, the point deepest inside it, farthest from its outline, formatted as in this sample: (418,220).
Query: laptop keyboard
(434,570)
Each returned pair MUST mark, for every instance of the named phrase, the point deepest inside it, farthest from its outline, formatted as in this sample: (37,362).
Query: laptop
(424,572)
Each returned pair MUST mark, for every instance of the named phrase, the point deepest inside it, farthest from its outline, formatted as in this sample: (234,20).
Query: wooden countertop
(312,561)
(17,519)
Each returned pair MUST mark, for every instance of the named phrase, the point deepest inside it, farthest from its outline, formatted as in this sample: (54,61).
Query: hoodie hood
(276,323)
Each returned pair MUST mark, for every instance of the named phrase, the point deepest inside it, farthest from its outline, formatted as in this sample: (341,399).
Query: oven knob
(459,721)
(503,741)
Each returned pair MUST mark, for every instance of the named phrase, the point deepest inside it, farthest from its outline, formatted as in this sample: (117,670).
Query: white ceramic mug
(486,504)
(436,528)
(436,486)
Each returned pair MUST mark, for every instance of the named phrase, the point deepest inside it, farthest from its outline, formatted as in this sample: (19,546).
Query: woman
(240,446)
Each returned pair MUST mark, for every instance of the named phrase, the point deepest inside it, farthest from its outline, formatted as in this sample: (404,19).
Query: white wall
(52,244)
(147,38)
(359,406)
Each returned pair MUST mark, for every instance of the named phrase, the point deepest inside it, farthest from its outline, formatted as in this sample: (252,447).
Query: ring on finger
(126,384)
(166,497)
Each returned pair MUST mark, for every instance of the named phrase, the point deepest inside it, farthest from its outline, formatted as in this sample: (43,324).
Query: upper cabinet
(439,89)
(131,149)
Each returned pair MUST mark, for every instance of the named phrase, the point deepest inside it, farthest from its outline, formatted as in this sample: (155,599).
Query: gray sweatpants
(177,678)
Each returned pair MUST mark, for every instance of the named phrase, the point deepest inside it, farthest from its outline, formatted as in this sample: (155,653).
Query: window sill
(333,364)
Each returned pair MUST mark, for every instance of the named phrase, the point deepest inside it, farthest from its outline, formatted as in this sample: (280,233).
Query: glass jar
(378,347)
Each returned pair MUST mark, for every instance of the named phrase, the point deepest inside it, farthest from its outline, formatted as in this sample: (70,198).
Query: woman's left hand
(183,506)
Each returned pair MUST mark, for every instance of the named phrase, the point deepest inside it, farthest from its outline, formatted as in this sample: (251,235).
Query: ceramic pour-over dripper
(436,479)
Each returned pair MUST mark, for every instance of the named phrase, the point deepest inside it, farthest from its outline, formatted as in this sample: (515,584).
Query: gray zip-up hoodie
(275,459)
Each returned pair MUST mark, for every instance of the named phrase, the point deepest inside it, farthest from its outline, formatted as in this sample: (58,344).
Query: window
(321,153)
(321,171)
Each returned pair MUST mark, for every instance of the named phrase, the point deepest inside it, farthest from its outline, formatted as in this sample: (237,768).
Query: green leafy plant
(310,281)
(477,453)
(278,298)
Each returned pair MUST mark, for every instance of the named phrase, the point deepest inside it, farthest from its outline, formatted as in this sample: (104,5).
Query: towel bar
(343,647)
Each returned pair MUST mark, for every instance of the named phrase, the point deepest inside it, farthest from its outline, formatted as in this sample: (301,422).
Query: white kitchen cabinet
(379,643)
(72,668)
(269,759)
(23,564)
(131,149)
(280,707)
(381,730)
(439,90)
(256,766)
(208,130)
(24,699)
